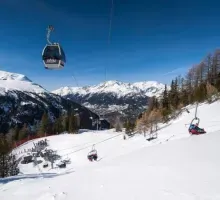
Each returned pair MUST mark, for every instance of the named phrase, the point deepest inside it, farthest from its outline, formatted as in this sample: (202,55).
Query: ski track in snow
(175,166)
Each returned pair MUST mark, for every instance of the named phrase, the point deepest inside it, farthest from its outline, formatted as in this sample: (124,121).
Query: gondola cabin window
(52,52)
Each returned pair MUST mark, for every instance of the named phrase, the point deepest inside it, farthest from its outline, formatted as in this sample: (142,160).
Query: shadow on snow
(32,176)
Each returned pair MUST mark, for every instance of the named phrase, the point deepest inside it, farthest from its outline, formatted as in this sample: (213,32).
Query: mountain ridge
(24,102)
(148,88)
(114,98)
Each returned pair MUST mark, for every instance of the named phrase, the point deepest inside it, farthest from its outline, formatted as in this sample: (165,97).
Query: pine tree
(174,94)
(200,93)
(129,127)
(71,118)
(10,135)
(176,97)
(16,133)
(23,133)
(8,164)
(165,99)
(44,125)
(132,127)
(72,123)
(184,94)
(58,126)
(153,104)
(211,90)
(65,122)
(218,82)
(184,97)
(165,104)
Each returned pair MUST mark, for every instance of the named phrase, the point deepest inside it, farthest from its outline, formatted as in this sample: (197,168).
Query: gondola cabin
(53,56)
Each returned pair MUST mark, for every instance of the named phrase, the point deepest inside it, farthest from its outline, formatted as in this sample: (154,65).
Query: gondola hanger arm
(50,28)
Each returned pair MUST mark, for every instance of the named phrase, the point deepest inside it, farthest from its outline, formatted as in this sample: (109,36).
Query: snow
(13,81)
(174,166)
(112,108)
(148,88)
(13,76)
(27,103)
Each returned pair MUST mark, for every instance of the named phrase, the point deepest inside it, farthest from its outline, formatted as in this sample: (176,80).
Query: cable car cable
(80,102)
(109,31)
(92,145)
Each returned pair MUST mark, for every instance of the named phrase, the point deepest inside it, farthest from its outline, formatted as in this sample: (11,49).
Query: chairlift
(195,130)
(92,155)
(61,165)
(45,165)
(195,121)
(66,160)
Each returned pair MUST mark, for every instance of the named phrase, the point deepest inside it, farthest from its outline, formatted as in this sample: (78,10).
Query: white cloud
(177,71)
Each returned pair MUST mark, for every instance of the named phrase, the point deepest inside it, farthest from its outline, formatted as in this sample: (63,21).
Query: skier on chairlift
(92,155)
(195,130)
(194,127)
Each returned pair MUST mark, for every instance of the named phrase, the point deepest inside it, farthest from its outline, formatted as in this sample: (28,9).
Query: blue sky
(151,40)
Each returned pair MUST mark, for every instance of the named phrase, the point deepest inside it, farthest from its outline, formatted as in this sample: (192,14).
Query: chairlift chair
(92,155)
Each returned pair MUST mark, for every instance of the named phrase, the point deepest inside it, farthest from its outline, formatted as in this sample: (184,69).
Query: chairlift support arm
(50,28)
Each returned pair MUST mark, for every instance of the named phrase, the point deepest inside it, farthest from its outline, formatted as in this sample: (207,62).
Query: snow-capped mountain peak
(150,88)
(63,91)
(14,81)
(118,88)
(13,76)
(148,84)
(110,97)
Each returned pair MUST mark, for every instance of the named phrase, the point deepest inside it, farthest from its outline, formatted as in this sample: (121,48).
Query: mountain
(19,82)
(23,101)
(113,98)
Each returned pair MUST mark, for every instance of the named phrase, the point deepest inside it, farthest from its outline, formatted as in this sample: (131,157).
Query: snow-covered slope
(13,81)
(113,98)
(174,166)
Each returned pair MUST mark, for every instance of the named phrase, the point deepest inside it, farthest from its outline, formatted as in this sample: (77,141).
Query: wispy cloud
(176,71)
